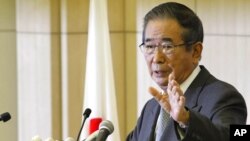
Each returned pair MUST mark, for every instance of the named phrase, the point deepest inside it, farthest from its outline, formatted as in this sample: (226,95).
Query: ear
(197,51)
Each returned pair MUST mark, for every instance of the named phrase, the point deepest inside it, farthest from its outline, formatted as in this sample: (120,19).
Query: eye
(149,46)
(168,46)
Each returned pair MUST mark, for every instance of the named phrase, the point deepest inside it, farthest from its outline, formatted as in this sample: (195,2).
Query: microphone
(105,129)
(36,138)
(92,137)
(85,116)
(5,116)
(93,129)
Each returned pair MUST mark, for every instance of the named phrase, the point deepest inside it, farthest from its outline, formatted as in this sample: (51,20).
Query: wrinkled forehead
(158,40)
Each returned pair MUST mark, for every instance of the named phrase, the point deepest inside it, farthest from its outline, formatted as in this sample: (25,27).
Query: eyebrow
(162,39)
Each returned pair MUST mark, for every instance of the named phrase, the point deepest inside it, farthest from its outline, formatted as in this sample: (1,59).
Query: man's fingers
(155,93)
(171,77)
(182,101)
(161,98)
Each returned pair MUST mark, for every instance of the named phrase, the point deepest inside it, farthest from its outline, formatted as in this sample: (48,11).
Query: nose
(159,57)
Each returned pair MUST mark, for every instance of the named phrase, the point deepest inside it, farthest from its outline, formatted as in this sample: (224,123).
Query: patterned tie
(161,124)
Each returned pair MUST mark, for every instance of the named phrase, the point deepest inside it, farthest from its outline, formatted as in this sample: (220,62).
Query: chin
(161,82)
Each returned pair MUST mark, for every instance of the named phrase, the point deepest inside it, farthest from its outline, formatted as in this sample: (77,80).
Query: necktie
(161,124)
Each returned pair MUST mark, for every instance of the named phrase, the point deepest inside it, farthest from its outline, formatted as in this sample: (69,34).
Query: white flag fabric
(99,93)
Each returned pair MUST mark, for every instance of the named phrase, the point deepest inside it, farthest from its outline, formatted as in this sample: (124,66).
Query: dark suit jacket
(213,106)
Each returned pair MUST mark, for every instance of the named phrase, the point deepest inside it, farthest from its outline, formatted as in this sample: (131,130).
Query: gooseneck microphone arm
(85,116)
(5,116)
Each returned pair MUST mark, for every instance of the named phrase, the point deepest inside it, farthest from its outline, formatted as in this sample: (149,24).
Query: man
(194,104)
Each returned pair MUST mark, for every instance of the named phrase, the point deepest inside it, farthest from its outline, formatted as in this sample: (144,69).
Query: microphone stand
(85,116)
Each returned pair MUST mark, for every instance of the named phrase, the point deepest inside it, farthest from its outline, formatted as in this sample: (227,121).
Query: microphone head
(87,112)
(5,117)
(36,138)
(107,125)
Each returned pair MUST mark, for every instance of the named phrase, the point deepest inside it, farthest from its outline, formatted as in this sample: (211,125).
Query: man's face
(178,61)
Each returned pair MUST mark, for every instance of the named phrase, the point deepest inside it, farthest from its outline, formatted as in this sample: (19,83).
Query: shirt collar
(190,79)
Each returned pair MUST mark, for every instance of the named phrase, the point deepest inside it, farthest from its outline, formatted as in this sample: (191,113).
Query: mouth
(159,73)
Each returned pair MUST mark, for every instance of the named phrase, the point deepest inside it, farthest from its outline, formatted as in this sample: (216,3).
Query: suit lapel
(193,91)
(150,122)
